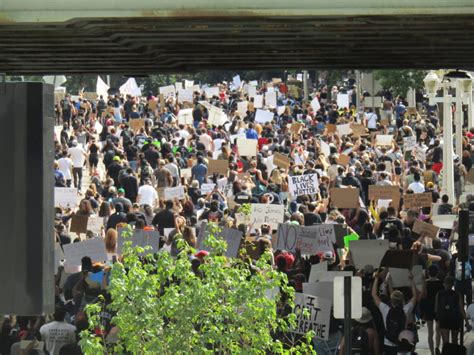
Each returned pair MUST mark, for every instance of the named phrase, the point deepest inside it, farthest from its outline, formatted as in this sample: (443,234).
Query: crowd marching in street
(368,181)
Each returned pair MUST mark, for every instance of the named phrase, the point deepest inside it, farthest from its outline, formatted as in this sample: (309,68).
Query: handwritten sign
(343,129)
(95,224)
(263,116)
(344,197)
(359,130)
(384,139)
(172,193)
(185,116)
(315,104)
(93,248)
(207,188)
(266,213)
(404,259)
(310,240)
(296,127)
(242,108)
(409,143)
(270,99)
(136,124)
(317,318)
(280,160)
(185,95)
(218,166)
(79,224)
(331,128)
(247,147)
(425,229)
(303,184)
(65,197)
(343,159)
(167,91)
(258,101)
(418,200)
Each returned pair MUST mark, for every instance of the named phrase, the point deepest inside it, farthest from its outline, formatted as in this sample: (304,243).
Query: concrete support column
(459,118)
(448,167)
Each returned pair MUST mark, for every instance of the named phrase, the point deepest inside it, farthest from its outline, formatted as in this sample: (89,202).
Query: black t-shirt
(437,154)
(164,219)
(152,156)
(311,218)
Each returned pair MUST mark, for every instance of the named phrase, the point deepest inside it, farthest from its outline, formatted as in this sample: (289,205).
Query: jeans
(328,347)
(77,174)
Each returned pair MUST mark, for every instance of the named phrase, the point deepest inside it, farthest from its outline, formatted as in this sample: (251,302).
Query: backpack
(101,105)
(65,105)
(360,341)
(59,181)
(395,323)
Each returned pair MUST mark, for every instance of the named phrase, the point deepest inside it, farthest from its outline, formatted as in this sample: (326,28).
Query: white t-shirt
(56,335)
(385,308)
(206,140)
(65,166)
(78,156)
(148,195)
(416,187)
(371,120)
(218,144)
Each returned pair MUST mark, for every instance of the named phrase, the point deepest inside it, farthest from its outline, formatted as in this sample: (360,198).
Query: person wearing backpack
(449,312)
(365,339)
(463,287)
(394,315)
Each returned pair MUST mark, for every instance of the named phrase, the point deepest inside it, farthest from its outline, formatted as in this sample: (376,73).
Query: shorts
(93,161)
(450,323)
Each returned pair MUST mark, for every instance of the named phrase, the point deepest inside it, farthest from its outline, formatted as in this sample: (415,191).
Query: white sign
(186,173)
(409,143)
(236,81)
(167,91)
(252,91)
(343,100)
(185,95)
(65,197)
(258,101)
(281,110)
(400,277)
(317,318)
(315,104)
(384,139)
(93,248)
(247,147)
(343,129)
(172,193)
(356,297)
(444,221)
(217,117)
(212,91)
(263,116)
(310,240)
(242,108)
(270,99)
(368,252)
(178,86)
(322,289)
(95,224)
(266,213)
(325,149)
(207,188)
(188,84)
(303,184)
(326,276)
(185,116)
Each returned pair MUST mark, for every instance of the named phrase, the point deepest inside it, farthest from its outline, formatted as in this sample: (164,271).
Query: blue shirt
(251,134)
(199,172)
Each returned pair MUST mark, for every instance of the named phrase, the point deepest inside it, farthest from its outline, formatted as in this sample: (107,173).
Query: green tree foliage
(399,81)
(164,307)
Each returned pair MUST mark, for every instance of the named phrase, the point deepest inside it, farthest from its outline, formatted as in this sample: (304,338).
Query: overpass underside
(201,40)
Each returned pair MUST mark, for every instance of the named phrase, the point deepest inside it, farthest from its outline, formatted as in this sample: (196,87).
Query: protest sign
(296,127)
(231,236)
(400,277)
(65,197)
(418,200)
(266,213)
(95,224)
(178,85)
(325,149)
(136,124)
(167,91)
(140,238)
(409,143)
(185,116)
(207,188)
(217,117)
(343,100)
(425,229)
(303,184)
(258,101)
(276,80)
(419,153)
(236,81)
(331,128)
(263,116)
(316,269)
(221,184)
(323,289)
(404,259)
(152,105)
(247,147)
(315,104)
(252,90)
(317,317)
(343,159)
(212,91)
(444,221)
(188,83)
(310,240)
(350,238)
(344,197)
(217,166)
(359,130)
(280,160)
(384,193)
(185,95)
(368,252)
(343,129)
(186,173)
(242,108)
(93,248)
(78,224)
(384,139)
(281,110)
(270,99)
(171,193)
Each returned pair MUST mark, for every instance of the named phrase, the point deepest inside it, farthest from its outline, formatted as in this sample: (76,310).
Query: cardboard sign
(280,160)
(79,224)
(343,159)
(310,240)
(65,197)
(303,184)
(359,130)
(140,238)
(136,124)
(316,269)
(384,193)
(403,259)
(296,127)
(343,129)
(263,116)
(247,147)
(331,128)
(368,252)
(218,166)
(171,193)
(152,105)
(418,200)
(384,139)
(233,238)
(425,229)
(185,116)
(93,248)
(344,197)
(318,315)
